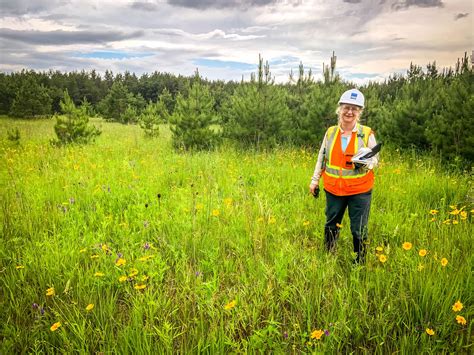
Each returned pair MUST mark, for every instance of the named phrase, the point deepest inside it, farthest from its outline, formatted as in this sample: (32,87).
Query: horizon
(372,39)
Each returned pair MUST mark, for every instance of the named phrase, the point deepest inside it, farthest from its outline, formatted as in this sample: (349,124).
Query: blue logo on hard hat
(354,96)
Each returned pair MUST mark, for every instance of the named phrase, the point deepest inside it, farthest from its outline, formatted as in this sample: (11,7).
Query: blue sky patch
(363,75)
(284,60)
(215,63)
(112,55)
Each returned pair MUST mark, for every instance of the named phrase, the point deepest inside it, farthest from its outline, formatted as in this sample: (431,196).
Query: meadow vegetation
(127,246)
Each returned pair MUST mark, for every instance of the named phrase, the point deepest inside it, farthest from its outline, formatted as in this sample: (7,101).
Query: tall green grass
(201,230)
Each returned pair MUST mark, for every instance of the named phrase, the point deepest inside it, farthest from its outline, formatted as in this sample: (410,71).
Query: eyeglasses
(347,108)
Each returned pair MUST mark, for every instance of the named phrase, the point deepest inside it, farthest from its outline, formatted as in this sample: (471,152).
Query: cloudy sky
(371,38)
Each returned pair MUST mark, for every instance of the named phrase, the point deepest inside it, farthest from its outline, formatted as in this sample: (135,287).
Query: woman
(345,184)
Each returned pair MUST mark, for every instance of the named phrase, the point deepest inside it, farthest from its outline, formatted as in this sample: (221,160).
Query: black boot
(361,250)
(330,238)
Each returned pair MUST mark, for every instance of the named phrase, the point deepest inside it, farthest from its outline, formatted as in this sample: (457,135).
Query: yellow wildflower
(433,219)
(463,215)
(95,256)
(144,278)
(461,320)
(317,334)
(146,257)
(271,220)
(457,306)
(382,258)
(306,223)
(50,291)
(453,207)
(18,267)
(444,261)
(55,326)
(99,274)
(228,202)
(139,287)
(83,250)
(433,212)
(338,225)
(105,248)
(260,219)
(422,252)
(407,245)
(430,331)
(215,213)
(133,272)
(90,307)
(123,278)
(379,249)
(455,212)
(120,262)
(448,221)
(421,267)
(455,221)
(199,206)
(230,305)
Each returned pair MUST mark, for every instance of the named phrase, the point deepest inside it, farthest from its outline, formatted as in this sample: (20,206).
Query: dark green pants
(359,208)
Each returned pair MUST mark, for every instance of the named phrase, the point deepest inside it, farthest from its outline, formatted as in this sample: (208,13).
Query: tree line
(429,109)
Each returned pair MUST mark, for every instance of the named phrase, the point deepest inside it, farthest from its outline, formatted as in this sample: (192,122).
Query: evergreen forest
(427,108)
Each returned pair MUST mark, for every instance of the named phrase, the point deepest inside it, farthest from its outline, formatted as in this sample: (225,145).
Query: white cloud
(370,37)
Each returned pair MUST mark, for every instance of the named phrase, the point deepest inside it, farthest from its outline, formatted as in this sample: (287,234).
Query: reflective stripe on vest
(338,177)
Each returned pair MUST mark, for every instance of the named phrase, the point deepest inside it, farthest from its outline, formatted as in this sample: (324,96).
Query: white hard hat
(353,97)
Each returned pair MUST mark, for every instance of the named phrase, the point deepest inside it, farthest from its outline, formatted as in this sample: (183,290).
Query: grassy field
(124,246)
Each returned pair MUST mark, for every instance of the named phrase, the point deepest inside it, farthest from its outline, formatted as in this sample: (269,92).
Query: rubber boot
(330,238)
(361,250)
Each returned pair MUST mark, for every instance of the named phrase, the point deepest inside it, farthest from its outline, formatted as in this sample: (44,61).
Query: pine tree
(449,131)
(167,99)
(32,99)
(73,125)
(256,113)
(152,116)
(120,105)
(192,119)
(300,126)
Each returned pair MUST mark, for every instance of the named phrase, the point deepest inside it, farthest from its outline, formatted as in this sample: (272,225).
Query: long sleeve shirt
(318,170)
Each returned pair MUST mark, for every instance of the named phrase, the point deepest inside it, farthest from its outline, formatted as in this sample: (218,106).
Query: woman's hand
(313,187)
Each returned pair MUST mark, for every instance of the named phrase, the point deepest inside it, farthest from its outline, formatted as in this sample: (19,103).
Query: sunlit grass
(221,251)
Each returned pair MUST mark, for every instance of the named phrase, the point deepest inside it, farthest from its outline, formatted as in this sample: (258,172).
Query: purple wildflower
(285,335)
(198,273)
(35,306)
(42,310)
(119,255)
(146,246)
(326,332)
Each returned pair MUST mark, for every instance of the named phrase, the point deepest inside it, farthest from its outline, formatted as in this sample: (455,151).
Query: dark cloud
(60,37)
(22,7)
(144,6)
(403,4)
(461,15)
(219,4)
(353,1)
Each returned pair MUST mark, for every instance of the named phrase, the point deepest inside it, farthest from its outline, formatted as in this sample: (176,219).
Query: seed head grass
(126,246)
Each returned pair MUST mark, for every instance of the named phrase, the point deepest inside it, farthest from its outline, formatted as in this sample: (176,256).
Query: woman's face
(349,114)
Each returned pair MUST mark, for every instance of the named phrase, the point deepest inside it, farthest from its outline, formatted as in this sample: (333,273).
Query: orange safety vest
(340,176)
